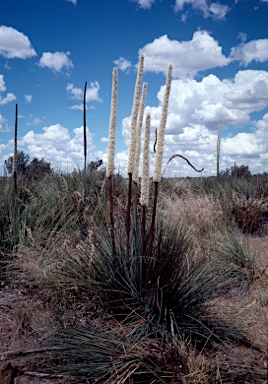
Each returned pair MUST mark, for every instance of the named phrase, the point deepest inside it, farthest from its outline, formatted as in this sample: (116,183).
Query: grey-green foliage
(233,254)
(55,208)
(241,171)
(170,287)
(27,168)
(12,218)
(58,205)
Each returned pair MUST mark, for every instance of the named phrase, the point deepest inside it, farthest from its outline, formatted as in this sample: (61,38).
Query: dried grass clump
(248,213)
(241,366)
(64,265)
(57,209)
(202,213)
(27,266)
(67,263)
(245,312)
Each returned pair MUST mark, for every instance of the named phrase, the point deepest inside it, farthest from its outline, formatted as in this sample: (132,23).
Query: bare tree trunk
(85,143)
(15,157)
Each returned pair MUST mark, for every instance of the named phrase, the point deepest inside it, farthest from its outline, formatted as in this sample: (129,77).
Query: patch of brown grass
(248,213)
(202,213)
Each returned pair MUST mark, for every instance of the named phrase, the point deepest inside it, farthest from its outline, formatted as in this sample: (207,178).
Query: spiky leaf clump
(170,287)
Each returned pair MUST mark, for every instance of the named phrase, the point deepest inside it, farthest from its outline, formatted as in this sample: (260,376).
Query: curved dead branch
(184,158)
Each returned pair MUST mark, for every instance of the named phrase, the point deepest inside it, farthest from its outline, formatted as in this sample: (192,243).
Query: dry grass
(25,321)
(247,212)
(202,213)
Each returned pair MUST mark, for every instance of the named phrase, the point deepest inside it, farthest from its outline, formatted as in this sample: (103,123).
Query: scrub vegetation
(112,280)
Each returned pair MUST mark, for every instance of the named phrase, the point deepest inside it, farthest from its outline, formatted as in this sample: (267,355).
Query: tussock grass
(243,201)
(234,252)
(202,213)
(11,217)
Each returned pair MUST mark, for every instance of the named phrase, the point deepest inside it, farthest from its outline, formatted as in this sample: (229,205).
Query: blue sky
(219,53)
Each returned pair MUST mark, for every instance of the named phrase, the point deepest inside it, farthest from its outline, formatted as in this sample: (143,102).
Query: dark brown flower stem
(152,231)
(143,229)
(110,181)
(128,208)
(136,200)
(85,142)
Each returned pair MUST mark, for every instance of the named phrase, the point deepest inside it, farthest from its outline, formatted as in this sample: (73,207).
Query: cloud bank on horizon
(198,98)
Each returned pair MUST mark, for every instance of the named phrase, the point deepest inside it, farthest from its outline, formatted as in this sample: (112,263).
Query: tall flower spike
(138,134)
(161,130)
(15,157)
(144,199)
(134,116)
(111,143)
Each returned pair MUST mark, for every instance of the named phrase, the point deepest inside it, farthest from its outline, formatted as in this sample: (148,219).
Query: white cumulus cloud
(144,4)
(92,94)
(2,120)
(93,91)
(77,93)
(217,11)
(28,98)
(2,84)
(9,97)
(14,44)
(254,50)
(207,8)
(73,1)
(56,61)
(123,64)
(243,144)
(187,57)
(61,147)
(78,107)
